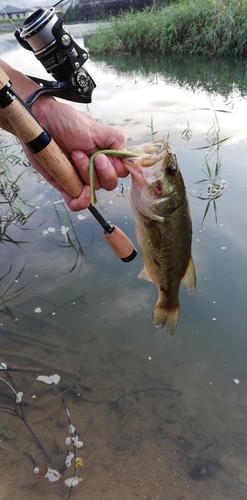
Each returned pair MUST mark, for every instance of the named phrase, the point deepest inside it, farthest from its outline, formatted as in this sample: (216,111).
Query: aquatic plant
(70,240)
(212,186)
(207,27)
(14,209)
(72,456)
(151,126)
(44,470)
(11,292)
(18,409)
(12,205)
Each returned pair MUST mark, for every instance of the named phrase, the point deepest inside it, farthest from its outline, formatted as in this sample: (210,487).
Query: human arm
(77,134)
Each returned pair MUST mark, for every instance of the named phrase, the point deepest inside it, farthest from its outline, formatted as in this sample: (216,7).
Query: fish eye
(171,169)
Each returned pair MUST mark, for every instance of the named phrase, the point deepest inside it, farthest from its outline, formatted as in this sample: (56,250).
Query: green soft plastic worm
(119,153)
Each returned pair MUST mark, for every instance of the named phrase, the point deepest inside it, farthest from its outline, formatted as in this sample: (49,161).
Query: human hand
(79,136)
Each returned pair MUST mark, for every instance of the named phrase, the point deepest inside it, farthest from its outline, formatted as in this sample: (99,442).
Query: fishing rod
(44,34)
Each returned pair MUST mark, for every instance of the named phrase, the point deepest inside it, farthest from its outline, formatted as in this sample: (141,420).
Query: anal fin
(189,279)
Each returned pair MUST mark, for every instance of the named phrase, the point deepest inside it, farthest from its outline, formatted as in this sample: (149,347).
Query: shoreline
(79,30)
(7,30)
(6,27)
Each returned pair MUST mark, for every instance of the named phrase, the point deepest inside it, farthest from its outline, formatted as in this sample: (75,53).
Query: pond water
(160,417)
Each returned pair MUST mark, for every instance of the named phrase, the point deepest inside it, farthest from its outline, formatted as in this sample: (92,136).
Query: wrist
(24,87)
(42,109)
(21,84)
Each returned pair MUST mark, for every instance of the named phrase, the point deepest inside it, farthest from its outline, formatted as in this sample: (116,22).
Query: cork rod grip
(40,143)
(121,244)
(4,79)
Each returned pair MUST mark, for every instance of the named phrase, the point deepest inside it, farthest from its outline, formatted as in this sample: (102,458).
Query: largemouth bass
(163,227)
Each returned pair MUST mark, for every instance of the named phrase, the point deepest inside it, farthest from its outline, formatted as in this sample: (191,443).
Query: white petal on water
(52,475)
(3,366)
(214,319)
(51,230)
(64,230)
(223,248)
(236,381)
(71,428)
(149,358)
(69,459)
(55,378)
(77,443)
(67,440)
(36,470)
(37,310)
(71,482)
(45,379)
(19,397)
(81,217)
(52,379)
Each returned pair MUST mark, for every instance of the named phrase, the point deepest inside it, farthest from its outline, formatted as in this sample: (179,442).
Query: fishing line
(9,18)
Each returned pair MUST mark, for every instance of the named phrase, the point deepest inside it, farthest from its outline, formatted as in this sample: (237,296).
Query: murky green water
(160,417)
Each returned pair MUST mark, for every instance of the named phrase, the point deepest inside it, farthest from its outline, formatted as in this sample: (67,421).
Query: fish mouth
(135,169)
(154,148)
(144,168)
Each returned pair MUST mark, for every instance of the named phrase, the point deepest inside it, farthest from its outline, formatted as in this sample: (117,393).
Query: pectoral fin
(189,279)
(144,275)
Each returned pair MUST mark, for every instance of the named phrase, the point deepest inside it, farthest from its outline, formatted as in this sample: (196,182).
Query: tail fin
(166,318)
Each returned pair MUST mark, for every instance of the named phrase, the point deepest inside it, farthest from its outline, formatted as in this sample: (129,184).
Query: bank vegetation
(205,27)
